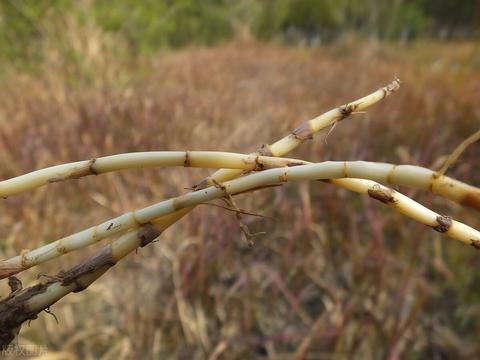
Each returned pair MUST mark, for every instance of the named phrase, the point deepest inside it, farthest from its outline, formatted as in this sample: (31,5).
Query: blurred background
(337,275)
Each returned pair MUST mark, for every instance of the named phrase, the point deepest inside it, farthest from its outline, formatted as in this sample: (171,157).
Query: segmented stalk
(200,159)
(29,302)
(400,174)
(302,133)
(306,131)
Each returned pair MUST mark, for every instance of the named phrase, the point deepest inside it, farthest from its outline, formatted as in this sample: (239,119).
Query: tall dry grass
(335,276)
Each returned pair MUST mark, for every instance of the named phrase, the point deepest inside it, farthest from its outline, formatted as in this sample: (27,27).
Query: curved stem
(404,174)
(28,303)
(201,159)
(307,130)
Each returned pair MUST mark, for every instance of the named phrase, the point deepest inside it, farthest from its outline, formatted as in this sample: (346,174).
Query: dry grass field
(336,275)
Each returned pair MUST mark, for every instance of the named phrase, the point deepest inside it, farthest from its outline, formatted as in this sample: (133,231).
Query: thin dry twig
(244,212)
(453,157)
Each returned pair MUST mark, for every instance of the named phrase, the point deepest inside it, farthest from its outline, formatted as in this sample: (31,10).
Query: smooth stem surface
(83,275)
(302,133)
(307,130)
(200,159)
(408,175)
(405,174)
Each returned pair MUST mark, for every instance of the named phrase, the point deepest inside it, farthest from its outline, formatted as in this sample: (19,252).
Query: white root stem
(308,129)
(405,175)
(200,159)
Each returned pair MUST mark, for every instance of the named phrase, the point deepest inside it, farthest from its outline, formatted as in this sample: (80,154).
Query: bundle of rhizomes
(240,173)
